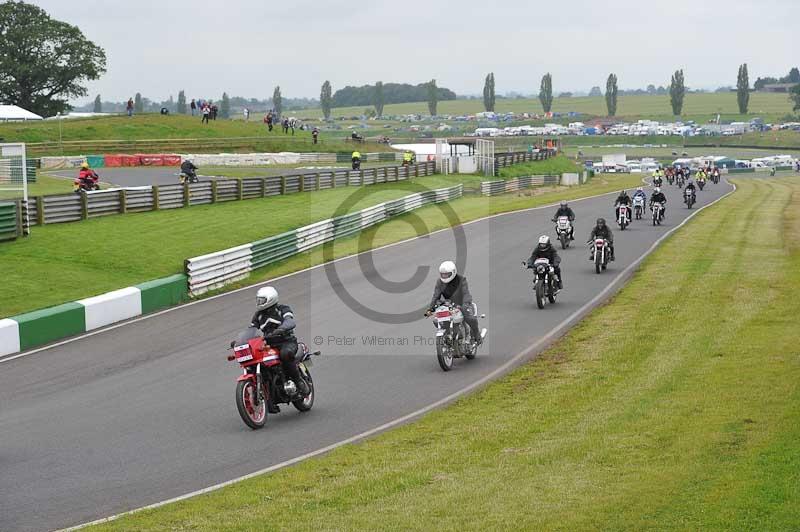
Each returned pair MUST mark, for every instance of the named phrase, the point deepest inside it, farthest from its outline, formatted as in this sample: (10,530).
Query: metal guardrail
(77,207)
(493,188)
(215,270)
(501,160)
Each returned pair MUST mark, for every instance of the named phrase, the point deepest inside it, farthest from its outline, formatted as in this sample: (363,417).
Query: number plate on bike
(244,358)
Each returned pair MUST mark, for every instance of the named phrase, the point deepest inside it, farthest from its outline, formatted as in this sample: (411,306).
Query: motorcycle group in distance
(275,366)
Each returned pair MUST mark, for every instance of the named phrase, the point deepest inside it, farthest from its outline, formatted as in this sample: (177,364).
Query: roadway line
(268,281)
(529,352)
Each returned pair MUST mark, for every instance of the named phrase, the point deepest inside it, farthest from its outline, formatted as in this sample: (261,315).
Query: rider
(88,177)
(277,323)
(690,188)
(189,169)
(601,230)
(453,287)
(658,196)
(640,194)
(622,199)
(545,250)
(565,210)
(356,157)
(657,180)
(408,157)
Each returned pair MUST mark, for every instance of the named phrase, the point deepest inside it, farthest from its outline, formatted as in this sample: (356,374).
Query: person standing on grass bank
(315,136)
(129,107)
(206,113)
(193,106)
(246,113)
(269,120)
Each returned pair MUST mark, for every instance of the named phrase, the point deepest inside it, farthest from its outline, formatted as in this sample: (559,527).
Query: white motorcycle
(564,230)
(638,207)
(657,208)
(600,254)
(453,335)
(624,217)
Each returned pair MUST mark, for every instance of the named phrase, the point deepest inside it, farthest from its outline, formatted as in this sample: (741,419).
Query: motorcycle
(638,207)
(184,177)
(263,380)
(715,177)
(658,208)
(680,181)
(545,286)
(670,179)
(564,230)
(701,184)
(453,336)
(356,164)
(623,216)
(689,198)
(600,251)
(85,185)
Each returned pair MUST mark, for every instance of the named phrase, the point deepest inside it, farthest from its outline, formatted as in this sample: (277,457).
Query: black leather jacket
(277,322)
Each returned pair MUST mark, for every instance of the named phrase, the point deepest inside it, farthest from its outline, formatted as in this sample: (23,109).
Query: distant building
(778,87)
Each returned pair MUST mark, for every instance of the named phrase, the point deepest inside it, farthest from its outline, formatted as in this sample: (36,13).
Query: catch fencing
(93,204)
(501,160)
(212,271)
(493,188)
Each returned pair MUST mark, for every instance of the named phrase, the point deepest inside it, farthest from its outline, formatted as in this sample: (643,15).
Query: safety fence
(206,159)
(75,207)
(215,270)
(493,188)
(501,160)
(40,327)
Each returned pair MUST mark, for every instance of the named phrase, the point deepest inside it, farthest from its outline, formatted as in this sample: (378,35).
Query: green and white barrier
(215,270)
(32,329)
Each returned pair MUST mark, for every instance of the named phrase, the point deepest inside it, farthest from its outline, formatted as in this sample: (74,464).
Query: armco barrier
(76,207)
(40,327)
(215,270)
(492,188)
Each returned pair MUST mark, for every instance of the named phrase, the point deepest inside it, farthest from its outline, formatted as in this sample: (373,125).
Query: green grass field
(554,166)
(100,249)
(698,107)
(44,185)
(683,417)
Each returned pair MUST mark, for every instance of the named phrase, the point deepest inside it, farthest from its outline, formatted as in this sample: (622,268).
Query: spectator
(246,113)
(206,114)
(129,107)
(315,134)
(193,105)
(285,125)
(292,124)
(214,111)
(269,120)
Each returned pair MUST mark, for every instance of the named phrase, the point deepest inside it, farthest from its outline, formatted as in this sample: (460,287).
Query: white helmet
(657,189)
(544,241)
(266,297)
(447,271)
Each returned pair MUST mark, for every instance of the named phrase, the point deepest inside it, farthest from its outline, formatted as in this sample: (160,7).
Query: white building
(13,113)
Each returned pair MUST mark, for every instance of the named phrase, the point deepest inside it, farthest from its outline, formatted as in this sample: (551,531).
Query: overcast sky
(246,47)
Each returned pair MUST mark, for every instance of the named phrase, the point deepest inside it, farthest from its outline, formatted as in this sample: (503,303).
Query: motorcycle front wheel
(539,294)
(598,266)
(564,237)
(443,355)
(551,294)
(253,416)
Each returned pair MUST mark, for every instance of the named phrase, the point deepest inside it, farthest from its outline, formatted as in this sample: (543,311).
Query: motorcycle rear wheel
(253,416)
(445,359)
(305,404)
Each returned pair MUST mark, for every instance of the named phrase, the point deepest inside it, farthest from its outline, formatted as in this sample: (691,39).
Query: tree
(743,89)
(225,106)
(794,76)
(138,103)
(546,92)
(393,93)
(277,101)
(488,92)
(595,91)
(794,97)
(651,89)
(44,62)
(325,99)
(181,103)
(677,90)
(379,98)
(433,97)
(611,94)
(98,105)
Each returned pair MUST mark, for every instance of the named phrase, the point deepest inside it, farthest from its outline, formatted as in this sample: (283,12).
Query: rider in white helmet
(277,323)
(659,196)
(453,287)
(545,250)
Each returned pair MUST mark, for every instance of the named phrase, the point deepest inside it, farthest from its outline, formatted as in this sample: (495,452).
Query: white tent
(12,112)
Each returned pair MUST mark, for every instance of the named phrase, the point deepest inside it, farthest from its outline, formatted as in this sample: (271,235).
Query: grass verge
(119,251)
(44,185)
(554,166)
(684,417)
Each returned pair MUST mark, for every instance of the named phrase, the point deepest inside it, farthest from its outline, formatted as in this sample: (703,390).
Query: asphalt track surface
(144,412)
(168,175)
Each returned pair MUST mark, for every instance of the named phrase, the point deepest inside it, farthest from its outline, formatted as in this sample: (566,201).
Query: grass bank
(118,251)
(554,166)
(44,185)
(685,417)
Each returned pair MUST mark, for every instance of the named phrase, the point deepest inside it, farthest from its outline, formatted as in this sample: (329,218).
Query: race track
(145,412)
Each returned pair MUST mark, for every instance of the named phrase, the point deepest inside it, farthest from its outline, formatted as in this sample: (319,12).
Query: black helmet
(601,222)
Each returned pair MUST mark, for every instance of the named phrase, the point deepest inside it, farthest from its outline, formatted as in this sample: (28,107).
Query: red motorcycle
(263,381)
